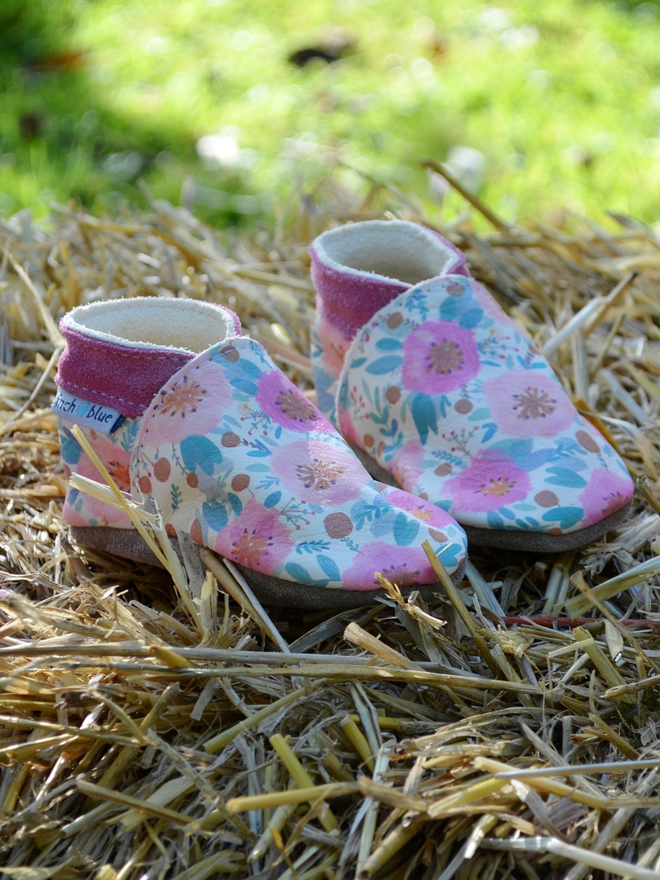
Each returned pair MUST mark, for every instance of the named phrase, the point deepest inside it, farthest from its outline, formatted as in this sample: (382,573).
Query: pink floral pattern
(461,408)
(406,466)
(529,403)
(247,481)
(606,492)
(281,401)
(334,347)
(421,509)
(489,482)
(114,451)
(403,566)
(318,472)
(192,406)
(258,539)
(439,357)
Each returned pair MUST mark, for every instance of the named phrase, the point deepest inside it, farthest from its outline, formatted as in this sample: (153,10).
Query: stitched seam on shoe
(84,388)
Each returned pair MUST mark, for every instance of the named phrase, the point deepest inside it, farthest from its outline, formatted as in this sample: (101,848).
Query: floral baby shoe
(186,412)
(440,393)
(357,269)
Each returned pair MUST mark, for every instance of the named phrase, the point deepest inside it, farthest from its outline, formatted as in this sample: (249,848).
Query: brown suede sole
(128,544)
(505,539)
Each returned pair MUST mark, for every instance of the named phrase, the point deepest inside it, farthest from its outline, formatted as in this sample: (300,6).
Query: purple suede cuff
(348,300)
(124,378)
(116,375)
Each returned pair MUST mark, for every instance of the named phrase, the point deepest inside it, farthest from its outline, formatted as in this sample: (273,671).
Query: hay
(149,730)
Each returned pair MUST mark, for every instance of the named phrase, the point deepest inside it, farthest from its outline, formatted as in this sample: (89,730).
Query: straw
(160,722)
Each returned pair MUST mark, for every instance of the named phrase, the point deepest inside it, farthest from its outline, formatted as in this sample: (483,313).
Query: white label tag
(82,412)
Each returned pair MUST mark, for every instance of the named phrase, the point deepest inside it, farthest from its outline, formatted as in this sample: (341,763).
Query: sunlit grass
(561,98)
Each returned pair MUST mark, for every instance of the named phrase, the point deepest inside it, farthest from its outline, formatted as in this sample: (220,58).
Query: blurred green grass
(560,97)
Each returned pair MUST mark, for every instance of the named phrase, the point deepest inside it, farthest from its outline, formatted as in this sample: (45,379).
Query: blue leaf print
(567,516)
(386,364)
(565,477)
(311,546)
(298,572)
(388,344)
(358,362)
(494,521)
(535,459)
(236,503)
(490,429)
(197,450)
(329,567)
(70,448)
(471,318)
(131,428)
(449,555)
(515,449)
(272,499)
(405,530)
(424,416)
(448,309)
(479,414)
(244,385)
(250,369)
(215,514)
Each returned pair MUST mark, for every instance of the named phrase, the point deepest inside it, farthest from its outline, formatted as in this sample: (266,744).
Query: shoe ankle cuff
(120,353)
(349,295)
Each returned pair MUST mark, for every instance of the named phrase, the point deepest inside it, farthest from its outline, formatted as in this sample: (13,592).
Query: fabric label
(82,412)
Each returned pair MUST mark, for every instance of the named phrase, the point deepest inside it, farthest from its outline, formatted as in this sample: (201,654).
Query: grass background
(561,99)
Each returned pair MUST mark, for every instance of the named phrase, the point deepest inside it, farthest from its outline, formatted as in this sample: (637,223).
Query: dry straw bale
(150,727)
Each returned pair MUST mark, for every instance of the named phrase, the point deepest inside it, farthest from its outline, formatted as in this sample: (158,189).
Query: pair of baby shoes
(436,417)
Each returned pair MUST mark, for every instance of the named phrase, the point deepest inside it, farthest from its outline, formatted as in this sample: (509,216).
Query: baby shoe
(192,416)
(356,270)
(439,392)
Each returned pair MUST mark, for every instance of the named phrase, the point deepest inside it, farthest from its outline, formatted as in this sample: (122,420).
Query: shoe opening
(154,322)
(392,250)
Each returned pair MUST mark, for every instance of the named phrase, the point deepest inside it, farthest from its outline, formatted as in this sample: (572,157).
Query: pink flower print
(439,357)
(427,513)
(406,464)
(92,508)
(334,347)
(193,405)
(528,403)
(347,428)
(403,566)
(256,539)
(116,459)
(605,493)
(319,471)
(281,401)
(491,480)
